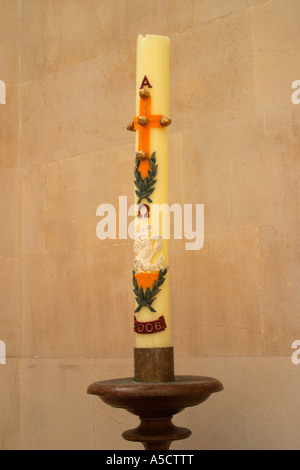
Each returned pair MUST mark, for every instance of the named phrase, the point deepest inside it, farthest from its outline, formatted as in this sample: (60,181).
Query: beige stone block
(296,149)
(78,110)
(212,80)
(170,17)
(112,368)
(9,212)
(9,128)
(10,405)
(243,415)
(275,71)
(10,306)
(74,301)
(194,13)
(176,162)
(276,25)
(176,181)
(275,37)
(265,177)
(279,249)
(9,40)
(34,210)
(61,34)
(215,296)
(33,47)
(74,32)
(56,411)
(75,189)
(111,301)
(244,172)
(55,312)
(209,172)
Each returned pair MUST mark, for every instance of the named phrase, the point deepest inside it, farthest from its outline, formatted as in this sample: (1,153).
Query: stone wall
(66,298)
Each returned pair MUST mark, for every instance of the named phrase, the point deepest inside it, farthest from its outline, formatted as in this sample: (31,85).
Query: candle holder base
(155,404)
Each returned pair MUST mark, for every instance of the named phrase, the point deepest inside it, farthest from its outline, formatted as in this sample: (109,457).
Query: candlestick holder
(155,394)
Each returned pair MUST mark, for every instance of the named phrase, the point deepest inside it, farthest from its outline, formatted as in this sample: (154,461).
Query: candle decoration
(151,319)
(145,185)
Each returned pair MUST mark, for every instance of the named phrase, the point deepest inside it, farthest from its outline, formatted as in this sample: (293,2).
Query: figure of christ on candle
(150,274)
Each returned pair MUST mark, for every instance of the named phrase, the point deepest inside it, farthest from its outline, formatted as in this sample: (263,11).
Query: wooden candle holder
(155,401)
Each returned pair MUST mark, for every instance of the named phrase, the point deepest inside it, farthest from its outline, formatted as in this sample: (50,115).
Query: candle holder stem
(156,433)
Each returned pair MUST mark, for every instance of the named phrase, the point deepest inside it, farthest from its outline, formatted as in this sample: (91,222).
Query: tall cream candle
(151,255)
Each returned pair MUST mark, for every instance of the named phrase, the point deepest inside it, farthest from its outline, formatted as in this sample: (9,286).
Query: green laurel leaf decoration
(145,187)
(147,297)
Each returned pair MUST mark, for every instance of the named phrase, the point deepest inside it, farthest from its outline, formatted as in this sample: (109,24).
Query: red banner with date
(149,327)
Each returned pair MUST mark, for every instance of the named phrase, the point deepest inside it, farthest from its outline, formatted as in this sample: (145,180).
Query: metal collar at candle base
(154,364)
